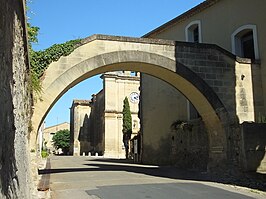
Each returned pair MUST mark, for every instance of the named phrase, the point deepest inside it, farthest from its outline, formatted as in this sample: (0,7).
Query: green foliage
(44,154)
(127,119)
(40,60)
(35,83)
(61,139)
(127,125)
(32,33)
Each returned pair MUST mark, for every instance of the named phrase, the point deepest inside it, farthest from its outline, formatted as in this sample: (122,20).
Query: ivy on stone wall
(40,60)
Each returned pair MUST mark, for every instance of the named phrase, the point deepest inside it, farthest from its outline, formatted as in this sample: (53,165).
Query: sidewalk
(43,185)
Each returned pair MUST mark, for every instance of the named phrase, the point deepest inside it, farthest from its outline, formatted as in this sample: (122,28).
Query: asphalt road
(94,178)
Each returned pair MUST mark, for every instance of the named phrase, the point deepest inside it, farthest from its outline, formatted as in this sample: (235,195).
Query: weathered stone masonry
(14,102)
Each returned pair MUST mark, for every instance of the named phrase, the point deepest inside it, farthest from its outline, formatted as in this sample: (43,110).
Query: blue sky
(63,20)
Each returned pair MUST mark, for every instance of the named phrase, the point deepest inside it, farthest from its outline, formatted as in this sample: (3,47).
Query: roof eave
(185,15)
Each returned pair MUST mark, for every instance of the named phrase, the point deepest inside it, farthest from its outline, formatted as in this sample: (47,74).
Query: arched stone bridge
(207,75)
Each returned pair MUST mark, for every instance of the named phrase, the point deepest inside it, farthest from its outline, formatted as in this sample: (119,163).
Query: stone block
(213,57)
(211,76)
(218,83)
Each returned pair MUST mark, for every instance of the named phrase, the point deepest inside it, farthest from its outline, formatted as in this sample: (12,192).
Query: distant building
(79,114)
(49,132)
(96,124)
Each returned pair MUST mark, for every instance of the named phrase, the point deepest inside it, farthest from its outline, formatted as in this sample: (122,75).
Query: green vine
(40,60)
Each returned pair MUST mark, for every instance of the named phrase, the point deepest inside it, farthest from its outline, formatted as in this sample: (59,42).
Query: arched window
(245,43)
(193,32)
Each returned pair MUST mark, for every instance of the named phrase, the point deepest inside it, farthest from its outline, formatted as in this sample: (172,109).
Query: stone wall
(184,146)
(189,149)
(228,76)
(14,102)
(253,146)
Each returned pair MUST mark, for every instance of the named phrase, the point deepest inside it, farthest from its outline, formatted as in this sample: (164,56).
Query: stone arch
(187,82)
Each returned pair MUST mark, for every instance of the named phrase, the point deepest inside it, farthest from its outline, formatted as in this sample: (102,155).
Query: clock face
(134,97)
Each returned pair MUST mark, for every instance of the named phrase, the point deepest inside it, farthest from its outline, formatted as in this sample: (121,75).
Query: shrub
(44,154)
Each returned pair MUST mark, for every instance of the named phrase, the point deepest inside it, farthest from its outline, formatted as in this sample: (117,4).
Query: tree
(127,119)
(61,139)
(127,124)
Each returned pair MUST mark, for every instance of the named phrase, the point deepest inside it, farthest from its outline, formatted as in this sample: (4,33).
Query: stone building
(79,114)
(238,27)
(96,124)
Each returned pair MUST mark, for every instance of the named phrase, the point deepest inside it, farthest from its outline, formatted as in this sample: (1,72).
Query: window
(247,45)
(193,32)
(244,42)
(196,34)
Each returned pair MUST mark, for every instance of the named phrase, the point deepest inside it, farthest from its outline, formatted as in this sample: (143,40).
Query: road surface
(99,178)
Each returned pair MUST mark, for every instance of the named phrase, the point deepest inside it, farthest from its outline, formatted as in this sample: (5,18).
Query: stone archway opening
(112,55)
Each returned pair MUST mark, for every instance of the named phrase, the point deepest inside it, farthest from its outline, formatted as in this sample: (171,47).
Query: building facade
(49,132)
(79,114)
(99,122)
(236,26)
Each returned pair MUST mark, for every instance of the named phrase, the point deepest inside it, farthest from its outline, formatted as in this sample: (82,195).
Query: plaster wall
(156,122)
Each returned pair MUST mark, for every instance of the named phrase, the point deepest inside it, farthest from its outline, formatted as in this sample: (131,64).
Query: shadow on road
(249,180)
(165,190)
